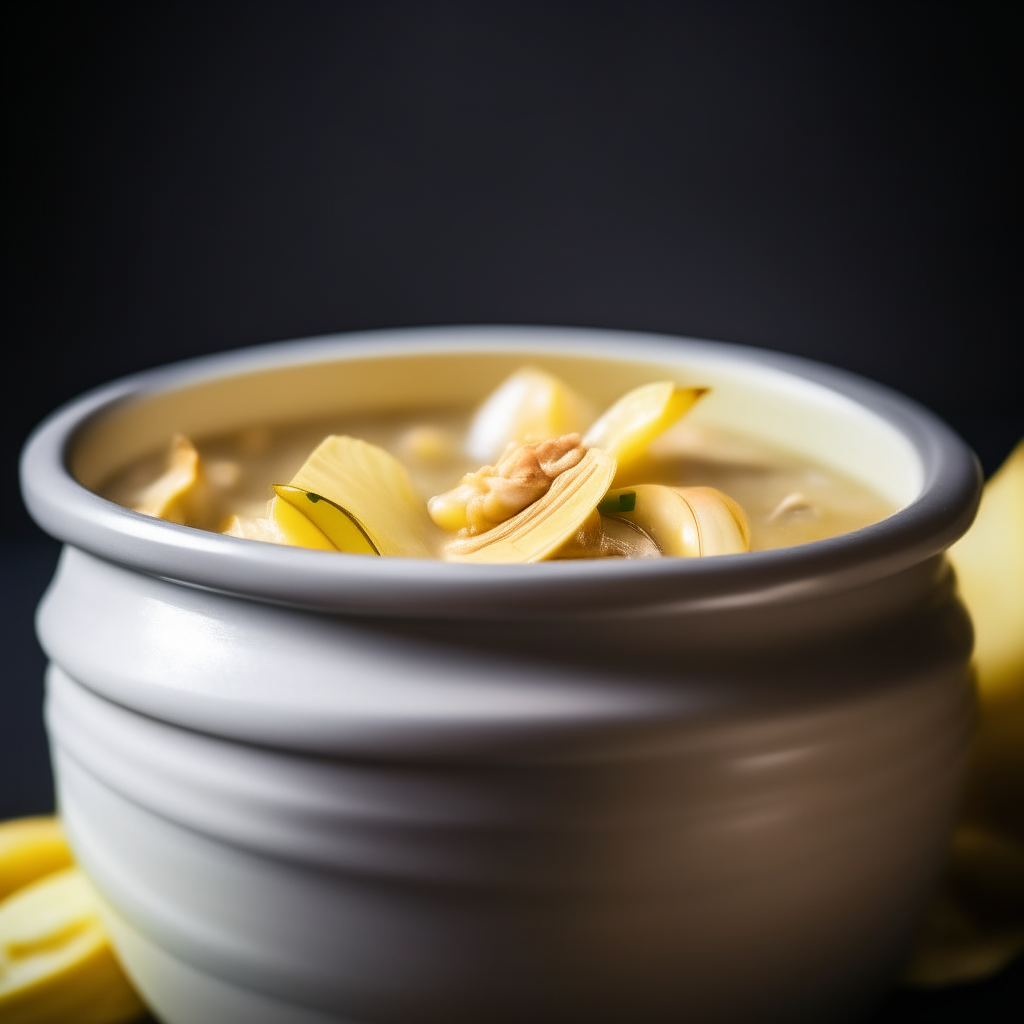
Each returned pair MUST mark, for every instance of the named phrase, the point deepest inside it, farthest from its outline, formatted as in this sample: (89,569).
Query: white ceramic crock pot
(314,787)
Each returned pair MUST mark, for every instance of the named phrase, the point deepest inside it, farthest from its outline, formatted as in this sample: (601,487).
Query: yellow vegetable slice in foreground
(530,405)
(283,524)
(331,522)
(56,965)
(626,429)
(989,564)
(977,922)
(540,530)
(29,849)
(372,488)
(295,528)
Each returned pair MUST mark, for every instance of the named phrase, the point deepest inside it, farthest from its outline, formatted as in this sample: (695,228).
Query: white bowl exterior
(790,841)
(729,800)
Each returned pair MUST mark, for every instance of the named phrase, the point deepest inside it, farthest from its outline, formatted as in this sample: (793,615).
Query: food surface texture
(535,472)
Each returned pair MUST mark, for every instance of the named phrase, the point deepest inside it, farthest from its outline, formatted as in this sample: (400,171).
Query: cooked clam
(686,521)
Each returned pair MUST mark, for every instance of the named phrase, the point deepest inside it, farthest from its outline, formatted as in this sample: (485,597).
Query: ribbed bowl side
(790,843)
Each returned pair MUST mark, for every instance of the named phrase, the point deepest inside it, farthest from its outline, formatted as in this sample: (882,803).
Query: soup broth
(786,499)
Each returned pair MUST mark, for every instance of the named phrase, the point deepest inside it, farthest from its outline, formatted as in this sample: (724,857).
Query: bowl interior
(783,409)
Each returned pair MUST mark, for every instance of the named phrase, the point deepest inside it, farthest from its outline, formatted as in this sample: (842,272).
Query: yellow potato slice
(626,429)
(29,849)
(56,965)
(283,524)
(335,529)
(373,488)
(977,922)
(295,528)
(989,563)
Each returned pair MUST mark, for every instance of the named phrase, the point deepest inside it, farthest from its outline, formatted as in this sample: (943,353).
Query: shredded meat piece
(492,494)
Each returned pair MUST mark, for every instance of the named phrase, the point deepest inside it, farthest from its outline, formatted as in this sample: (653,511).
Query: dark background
(836,180)
(841,181)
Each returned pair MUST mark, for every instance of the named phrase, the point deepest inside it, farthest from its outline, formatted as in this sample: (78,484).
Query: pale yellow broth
(244,464)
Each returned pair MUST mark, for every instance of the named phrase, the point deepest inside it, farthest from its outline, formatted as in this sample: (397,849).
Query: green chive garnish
(312,497)
(620,503)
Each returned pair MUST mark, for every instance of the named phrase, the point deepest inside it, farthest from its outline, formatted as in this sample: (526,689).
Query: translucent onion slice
(531,405)
(250,528)
(180,494)
(626,429)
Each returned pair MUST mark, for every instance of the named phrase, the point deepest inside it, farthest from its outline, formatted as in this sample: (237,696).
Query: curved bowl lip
(429,589)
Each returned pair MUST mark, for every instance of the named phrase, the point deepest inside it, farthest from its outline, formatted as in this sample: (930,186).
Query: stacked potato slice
(56,964)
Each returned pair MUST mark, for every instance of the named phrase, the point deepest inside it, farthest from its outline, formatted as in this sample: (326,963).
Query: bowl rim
(421,588)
